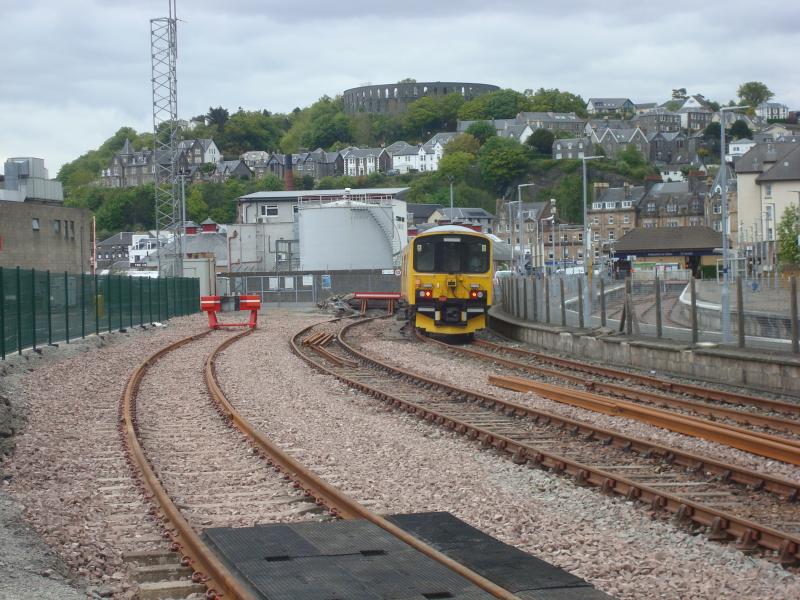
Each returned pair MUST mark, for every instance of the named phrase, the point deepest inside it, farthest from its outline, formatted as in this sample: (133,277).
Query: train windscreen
(451,254)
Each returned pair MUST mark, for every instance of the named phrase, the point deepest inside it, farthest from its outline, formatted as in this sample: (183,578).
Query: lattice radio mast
(163,55)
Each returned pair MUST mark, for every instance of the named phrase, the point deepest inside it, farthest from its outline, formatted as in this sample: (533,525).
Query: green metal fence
(42,307)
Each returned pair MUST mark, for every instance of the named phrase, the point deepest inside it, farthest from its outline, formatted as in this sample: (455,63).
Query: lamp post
(586,254)
(723,176)
(451,199)
(519,220)
(553,230)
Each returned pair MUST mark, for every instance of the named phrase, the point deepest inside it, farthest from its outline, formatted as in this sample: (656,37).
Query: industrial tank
(350,234)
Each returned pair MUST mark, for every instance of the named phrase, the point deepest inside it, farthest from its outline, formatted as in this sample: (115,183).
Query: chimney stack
(288,174)
(599,188)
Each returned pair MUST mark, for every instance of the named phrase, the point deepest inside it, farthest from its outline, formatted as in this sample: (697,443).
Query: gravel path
(69,471)
(395,463)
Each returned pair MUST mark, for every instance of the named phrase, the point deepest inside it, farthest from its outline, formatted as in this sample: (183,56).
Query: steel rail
(755,442)
(324,494)
(739,416)
(697,391)
(720,523)
(206,566)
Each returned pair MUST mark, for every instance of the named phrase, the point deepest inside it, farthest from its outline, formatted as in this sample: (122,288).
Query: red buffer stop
(214,304)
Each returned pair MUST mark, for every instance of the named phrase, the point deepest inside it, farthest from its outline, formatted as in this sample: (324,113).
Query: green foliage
(554,100)
(788,230)
(465,142)
(217,117)
(501,161)
(541,141)
(87,167)
(568,192)
(482,131)
(753,93)
(631,156)
(249,130)
(739,130)
(456,165)
(319,126)
(502,104)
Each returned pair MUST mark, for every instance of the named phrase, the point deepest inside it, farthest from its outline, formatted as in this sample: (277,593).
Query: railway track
(198,473)
(723,429)
(728,502)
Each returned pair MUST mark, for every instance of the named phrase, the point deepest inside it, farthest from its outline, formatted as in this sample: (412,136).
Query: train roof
(451,229)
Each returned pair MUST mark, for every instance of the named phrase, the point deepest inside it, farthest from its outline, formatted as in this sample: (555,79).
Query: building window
(72,230)
(672,208)
(610,219)
(626,203)
(596,221)
(597,205)
(611,205)
(768,190)
(56,226)
(717,209)
(651,207)
(596,236)
(35,224)
(626,219)
(611,234)
(269,210)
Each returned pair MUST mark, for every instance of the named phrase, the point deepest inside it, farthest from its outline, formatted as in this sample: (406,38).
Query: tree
(465,142)
(631,156)
(502,104)
(541,141)
(711,137)
(482,131)
(753,93)
(556,101)
(217,116)
(739,130)
(456,165)
(788,230)
(501,161)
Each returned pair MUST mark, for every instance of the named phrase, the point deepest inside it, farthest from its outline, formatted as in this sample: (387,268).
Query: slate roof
(753,160)
(465,213)
(123,238)
(786,168)
(569,117)
(361,152)
(335,193)
(609,103)
(443,137)
(636,193)
(666,239)
(422,211)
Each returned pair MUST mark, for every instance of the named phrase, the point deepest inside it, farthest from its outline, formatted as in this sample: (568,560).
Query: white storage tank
(350,234)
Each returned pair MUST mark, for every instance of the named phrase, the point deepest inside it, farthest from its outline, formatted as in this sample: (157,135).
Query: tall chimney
(598,189)
(288,174)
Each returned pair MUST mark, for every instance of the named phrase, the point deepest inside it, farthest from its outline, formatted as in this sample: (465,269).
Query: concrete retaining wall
(760,370)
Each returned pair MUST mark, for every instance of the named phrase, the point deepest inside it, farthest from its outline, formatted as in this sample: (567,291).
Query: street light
(519,220)
(586,254)
(723,167)
(553,230)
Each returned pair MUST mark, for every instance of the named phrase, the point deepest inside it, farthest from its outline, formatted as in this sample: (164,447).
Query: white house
(200,151)
(364,161)
(738,148)
(772,110)
(422,158)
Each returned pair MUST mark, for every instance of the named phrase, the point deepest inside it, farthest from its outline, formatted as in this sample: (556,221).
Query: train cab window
(451,254)
(425,255)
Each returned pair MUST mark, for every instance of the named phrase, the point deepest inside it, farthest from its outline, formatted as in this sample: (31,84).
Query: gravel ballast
(68,470)
(395,463)
(69,473)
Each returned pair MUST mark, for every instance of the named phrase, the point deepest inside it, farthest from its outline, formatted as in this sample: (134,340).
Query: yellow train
(447,280)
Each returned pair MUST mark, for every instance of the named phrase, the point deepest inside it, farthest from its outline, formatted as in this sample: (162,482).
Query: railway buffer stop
(215,304)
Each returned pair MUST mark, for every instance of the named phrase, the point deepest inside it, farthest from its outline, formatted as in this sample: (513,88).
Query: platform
(356,560)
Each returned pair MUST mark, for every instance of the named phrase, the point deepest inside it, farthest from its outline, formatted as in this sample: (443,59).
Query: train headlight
(425,293)
(474,294)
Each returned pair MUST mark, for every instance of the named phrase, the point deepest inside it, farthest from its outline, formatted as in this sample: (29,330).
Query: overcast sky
(75,71)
